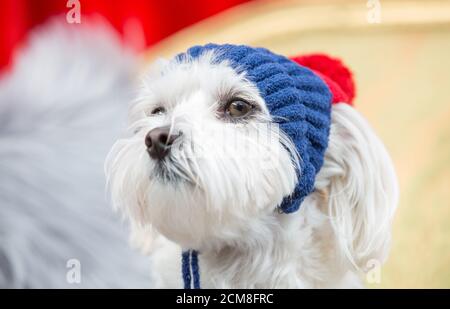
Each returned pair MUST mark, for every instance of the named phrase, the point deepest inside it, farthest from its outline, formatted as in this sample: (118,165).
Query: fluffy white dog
(206,168)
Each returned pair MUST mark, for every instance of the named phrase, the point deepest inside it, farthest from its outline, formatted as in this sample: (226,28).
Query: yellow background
(402,73)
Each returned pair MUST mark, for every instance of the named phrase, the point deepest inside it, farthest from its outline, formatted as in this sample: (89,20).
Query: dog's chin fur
(224,204)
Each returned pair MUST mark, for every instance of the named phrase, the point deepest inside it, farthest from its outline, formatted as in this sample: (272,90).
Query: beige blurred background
(399,52)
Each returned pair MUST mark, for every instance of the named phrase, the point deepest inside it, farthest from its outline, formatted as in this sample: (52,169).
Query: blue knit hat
(297,98)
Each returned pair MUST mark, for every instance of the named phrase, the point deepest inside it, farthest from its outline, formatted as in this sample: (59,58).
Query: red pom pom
(333,72)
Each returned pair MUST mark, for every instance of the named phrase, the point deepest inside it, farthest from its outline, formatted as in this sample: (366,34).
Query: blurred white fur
(61,107)
(224,205)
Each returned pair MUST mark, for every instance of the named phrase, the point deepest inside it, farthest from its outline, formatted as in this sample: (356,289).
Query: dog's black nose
(158,142)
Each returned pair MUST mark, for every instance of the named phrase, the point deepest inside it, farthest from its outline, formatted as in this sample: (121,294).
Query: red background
(158,19)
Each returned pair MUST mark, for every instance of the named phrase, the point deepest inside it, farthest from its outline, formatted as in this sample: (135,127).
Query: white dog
(205,168)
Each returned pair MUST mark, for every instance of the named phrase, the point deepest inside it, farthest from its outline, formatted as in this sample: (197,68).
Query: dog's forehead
(176,79)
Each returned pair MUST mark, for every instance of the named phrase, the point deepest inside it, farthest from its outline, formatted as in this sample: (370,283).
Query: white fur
(223,203)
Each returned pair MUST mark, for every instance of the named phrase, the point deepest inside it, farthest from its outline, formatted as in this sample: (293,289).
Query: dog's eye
(238,108)
(158,111)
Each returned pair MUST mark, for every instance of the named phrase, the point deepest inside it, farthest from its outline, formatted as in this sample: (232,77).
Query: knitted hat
(298,98)
(298,93)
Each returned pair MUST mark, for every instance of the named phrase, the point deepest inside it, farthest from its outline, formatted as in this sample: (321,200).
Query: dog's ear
(359,185)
